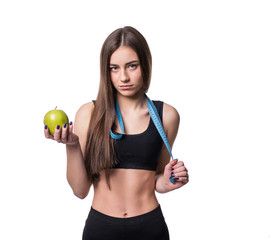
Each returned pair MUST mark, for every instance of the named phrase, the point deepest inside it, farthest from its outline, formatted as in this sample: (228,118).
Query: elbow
(81,195)
(81,192)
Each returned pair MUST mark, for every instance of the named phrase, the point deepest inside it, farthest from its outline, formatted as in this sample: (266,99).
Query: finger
(47,133)
(170,165)
(180,164)
(70,132)
(57,133)
(182,179)
(180,169)
(70,128)
(180,174)
(64,134)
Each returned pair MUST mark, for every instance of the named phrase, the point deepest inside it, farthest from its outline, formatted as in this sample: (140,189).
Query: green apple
(55,117)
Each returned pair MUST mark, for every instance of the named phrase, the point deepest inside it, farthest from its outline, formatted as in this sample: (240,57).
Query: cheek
(137,76)
(113,79)
(139,79)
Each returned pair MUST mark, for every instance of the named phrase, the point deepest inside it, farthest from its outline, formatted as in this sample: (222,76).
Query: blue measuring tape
(155,118)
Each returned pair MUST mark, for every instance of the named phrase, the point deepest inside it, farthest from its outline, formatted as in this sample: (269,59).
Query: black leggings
(149,226)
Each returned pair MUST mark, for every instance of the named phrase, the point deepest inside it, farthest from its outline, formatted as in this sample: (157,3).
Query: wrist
(161,186)
(73,145)
(165,186)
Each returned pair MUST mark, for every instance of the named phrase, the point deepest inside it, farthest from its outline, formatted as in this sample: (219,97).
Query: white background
(210,61)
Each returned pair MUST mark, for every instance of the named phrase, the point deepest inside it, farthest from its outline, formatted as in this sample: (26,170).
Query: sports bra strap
(118,136)
(155,118)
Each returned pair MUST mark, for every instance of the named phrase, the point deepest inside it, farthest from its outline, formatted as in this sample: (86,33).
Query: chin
(130,93)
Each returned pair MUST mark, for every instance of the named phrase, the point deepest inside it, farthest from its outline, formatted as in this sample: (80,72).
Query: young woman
(124,172)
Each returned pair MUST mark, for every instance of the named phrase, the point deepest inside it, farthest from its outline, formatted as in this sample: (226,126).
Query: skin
(132,191)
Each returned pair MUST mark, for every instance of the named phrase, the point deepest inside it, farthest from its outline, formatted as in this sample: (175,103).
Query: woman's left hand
(178,171)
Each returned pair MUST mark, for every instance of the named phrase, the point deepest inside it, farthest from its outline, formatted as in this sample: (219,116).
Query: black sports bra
(140,151)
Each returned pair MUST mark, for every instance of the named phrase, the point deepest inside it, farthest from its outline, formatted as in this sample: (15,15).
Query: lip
(128,86)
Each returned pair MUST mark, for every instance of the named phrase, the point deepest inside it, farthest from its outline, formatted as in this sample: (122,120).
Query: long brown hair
(99,150)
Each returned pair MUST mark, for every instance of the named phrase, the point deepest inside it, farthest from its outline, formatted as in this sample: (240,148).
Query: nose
(124,76)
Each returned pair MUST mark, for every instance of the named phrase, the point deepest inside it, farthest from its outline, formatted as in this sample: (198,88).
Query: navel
(125,214)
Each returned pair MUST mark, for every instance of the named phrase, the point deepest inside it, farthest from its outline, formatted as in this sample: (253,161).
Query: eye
(113,69)
(133,66)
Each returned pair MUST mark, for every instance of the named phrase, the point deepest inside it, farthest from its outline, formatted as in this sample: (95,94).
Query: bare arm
(171,120)
(75,145)
(76,172)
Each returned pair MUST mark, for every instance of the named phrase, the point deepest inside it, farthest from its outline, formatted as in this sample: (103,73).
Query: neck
(131,103)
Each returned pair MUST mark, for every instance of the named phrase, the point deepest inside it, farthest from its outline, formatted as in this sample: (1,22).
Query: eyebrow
(134,61)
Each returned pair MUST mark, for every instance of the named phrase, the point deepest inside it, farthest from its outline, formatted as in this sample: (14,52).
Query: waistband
(154,214)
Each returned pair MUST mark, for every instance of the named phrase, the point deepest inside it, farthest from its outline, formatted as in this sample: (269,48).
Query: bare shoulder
(83,116)
(171,116)
(85,110)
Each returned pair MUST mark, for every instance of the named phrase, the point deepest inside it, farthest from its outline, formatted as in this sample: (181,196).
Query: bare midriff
(132,193)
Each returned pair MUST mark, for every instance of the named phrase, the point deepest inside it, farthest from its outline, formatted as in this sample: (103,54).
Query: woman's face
(125,71)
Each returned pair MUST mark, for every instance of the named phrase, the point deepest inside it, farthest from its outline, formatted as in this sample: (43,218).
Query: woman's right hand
(62,135)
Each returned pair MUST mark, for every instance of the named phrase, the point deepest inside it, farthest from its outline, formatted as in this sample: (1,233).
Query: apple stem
(55,108)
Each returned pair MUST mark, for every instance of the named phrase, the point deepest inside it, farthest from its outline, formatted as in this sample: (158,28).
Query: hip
(150,225)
